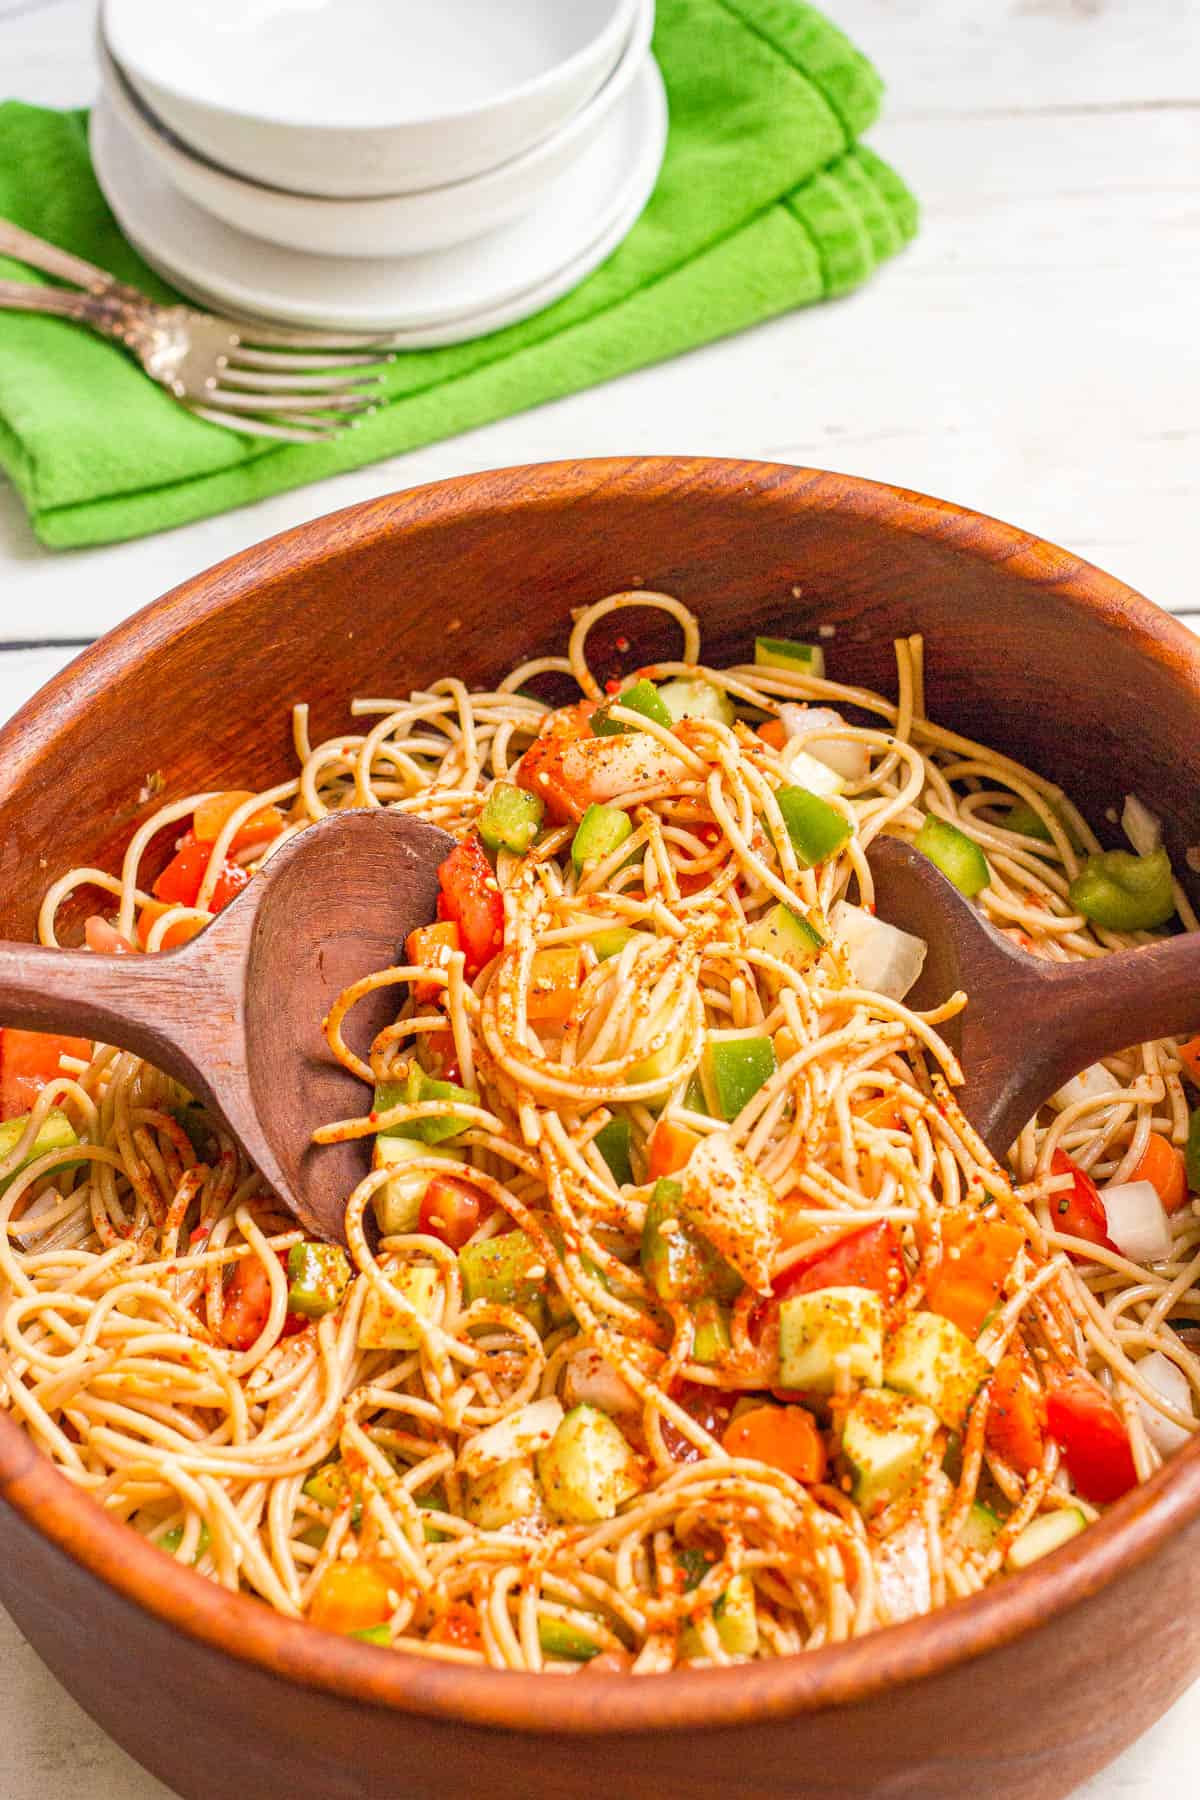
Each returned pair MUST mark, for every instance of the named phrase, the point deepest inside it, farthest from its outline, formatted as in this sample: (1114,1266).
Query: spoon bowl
(237,1013)
(1029,1024)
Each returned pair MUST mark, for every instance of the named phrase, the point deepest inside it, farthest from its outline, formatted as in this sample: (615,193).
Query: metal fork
(266,381)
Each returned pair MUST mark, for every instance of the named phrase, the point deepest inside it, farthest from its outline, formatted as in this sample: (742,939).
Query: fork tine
(249,331)
(309,359)
(291,382)
(260,403)
(293,433)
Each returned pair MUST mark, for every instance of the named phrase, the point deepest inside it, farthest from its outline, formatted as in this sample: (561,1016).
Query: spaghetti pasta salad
(682,1318)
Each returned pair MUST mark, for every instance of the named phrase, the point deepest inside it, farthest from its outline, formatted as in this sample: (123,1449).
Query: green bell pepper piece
(373,1634)
(736,1069)
(613,1141)
(643,697)
(433,1128)
(786,653)
(602,830)
(1124,892)
(171,1540)
(711,1341)
(677,1261)
(816,829)
(511,818)
(319,1275)
(558,1637)
(1191,1155)
(958,857)
(55,1132)
(693,1096)
(1022,818)
(497,1270)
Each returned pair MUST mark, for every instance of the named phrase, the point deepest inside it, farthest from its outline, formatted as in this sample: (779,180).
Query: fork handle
(14,241)
(107,313)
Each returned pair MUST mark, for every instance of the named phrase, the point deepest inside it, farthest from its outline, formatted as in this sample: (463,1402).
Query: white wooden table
(1036,354)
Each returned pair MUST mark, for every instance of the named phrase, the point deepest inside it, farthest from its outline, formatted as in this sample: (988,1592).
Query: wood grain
(475,574)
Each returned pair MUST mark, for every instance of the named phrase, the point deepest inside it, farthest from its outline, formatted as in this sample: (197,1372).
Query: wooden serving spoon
(1028,1024)
(236,1014)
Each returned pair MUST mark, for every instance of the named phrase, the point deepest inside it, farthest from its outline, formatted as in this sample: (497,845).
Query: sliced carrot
(354,1596)
(1162,1165)
(182,932)
(459,1625)
(553,984)
(1016,1420)
(669,1148)
(774,733)
(977,1255)
(211,816)
(784,1437)
(28,1060)
(431,947)
(1189,1056)
(883,1111)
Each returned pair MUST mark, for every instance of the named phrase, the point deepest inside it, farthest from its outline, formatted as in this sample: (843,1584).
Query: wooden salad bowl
(1024,1690)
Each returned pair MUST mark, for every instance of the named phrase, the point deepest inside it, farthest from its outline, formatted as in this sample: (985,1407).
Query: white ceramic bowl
(365,97)
(395,225)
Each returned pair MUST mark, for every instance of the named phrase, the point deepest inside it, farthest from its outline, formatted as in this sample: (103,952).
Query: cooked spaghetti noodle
(548,1413)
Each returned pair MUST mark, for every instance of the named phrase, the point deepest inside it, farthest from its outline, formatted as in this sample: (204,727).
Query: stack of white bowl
(429,169)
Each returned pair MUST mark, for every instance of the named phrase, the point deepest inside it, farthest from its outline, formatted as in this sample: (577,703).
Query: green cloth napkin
(765,202)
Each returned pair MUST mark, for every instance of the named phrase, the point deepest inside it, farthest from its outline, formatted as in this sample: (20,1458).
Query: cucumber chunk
(589,1469)
(508,1270)
(692,699)
(558,1637)
(826,1329)
(933,1360)
(1046,1533)
(643,697)
(397,1202)
(602,830)
(786,653)
(979,1529)
(736,1619)
(884,1442)
(504,1495)
(511,818)
(787,935)
(385,1326)
(55,1132)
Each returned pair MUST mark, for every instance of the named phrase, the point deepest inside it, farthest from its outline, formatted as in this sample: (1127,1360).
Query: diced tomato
(458,1625)
(1162,1165)
(438,1056)
(710,1407)
(431,947)
(28,1060)
(773,732)
(1016,1423)
(1189,1056)
(669,1148)
(785,1437)
(553,984)
(246,1305)
(182,932)
(1078,1210)
(453,1209)
(180,882)
(883,1111)
(471,899)
(210,817)
(353,1596)
(977,1255)
(1091,1432)
(103,938)
(541,767)
(870,1258)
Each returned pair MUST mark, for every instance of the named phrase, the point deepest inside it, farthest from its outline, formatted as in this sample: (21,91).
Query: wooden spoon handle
(1111,1002)
(140,1003)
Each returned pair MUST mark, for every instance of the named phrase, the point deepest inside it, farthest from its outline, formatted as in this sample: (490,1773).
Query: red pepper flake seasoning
(622,644)
(612,685)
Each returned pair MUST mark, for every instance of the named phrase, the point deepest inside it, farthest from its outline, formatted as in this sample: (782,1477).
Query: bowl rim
(546,158)
(602,49)
(896,1656)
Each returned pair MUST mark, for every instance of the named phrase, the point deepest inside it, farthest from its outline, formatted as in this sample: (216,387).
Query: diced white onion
(1172,1385)
(1142,827)
(904,1585)
(1137,1224)
(1089,1084)
(847,757)
(521,1434)
(882,957)
(806,771)
(589,1380)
